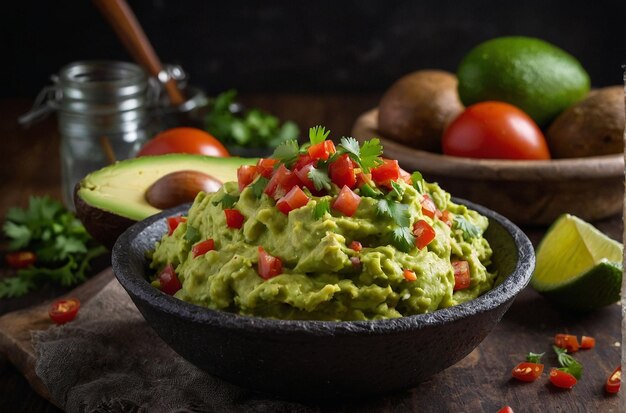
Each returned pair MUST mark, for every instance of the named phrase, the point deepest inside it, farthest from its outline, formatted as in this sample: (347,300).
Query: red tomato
(20,259)
(567,341)
(587,342)
(614,381)
(269,266)
(428,207)
(321,150)
(245,175)
(63,311)
(168,280)
(203,247)
(362,179)
(281,182)
(356,246)
(424,233)
(347,201)
(562,379)
(494,130)
(234,218)
(461,275)
(184,140)
(405,176)
(409,275)
(526,371)
(294,199)
(303,160)
(173,223)
(341,172)
(303,175)
(265,167)
(387,172)
(506,409)
(446,218)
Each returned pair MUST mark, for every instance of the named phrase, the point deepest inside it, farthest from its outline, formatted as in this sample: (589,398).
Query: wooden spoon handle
(128,29)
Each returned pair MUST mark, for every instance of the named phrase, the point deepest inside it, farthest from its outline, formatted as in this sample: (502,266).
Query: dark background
(304,46)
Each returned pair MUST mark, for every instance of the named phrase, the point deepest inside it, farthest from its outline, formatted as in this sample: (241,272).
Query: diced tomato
(409,275)
(303,160)
(341,172)
(387,172)
(168,280)
(356,246)
(245,175)
(64,311)
(567,341)
(321,150)
(446,218)
(355,261)
(363,178)
(562,379)
(174,222)
(203,247)
(461,275)
(303,175)
(614,381)
(265,167)
(347,201)
(294,199)
(587,342)
(405,176)
(424,233)
(20,259)
(269,266)
(506,409)
(234,218)
(428,207)
(526,371)
(281,182)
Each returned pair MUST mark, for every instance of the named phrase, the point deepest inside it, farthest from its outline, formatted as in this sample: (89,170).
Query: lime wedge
(578,267)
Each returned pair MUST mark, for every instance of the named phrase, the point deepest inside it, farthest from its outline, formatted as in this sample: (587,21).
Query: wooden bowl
(526,192)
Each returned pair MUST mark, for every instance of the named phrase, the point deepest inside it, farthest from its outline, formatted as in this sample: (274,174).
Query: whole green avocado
(536,76)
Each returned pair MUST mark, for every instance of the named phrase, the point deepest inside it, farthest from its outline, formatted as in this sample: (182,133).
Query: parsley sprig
(63,247)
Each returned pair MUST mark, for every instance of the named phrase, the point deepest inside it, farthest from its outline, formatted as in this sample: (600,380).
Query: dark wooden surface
(29,164)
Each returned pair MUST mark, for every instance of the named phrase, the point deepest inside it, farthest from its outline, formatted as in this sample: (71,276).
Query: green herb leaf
(227,201)
(398,212)
(403,239)
(468,229)
(351,147)
(321,208)
(568,363)
(259,185)
(192,235)
(367,190)
(370,154)
(418,181)
(320,178)
(318,134)
(397,191)
(15,287)
(534,357)
(19,234)
(287,152)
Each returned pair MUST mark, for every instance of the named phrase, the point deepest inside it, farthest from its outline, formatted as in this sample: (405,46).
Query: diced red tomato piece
(294,199)
(409,275)
(281,182)
(341,172)
(303,175)
(387,172)
(587,342)
(461,275)
(347,201)
(265,167)
(527,371)
(362,178)
(405,176)
(20,259)
(424,233)
(428,207)
(245,175)
(64,311)
(173,223)
(168,280)
(356,246)
(506,409)
(321,150)
(203,247)
(303,160)
(269,266)
(567,341)
(614,381)
(446,218)
(562,379)
(234,218)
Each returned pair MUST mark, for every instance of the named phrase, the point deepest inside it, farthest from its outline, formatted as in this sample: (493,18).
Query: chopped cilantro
(366,156)
(258,186)
(287,152)
(568,363)
(403,239)
(227,201)
(534,357)
(321,208)
(192,235)
(318,134)
(398,212)
(320,178)
(418,181)
(468,229)
(397,191)
(367,190)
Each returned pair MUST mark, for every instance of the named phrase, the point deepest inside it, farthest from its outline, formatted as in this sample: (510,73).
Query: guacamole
(404,249)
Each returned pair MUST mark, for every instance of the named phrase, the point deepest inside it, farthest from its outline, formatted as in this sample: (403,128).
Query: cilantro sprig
(366,156)
(63,248)
(468,229)
(534,357)
(568,363)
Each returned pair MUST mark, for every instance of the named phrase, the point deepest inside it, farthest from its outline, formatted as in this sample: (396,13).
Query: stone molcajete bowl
(322,359)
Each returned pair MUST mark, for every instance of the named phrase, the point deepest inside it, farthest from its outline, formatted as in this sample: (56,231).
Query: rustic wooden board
(480,382)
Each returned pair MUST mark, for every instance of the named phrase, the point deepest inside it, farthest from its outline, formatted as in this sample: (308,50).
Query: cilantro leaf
(568,363)
(321,208)
(351,146)
(398,212)
(19,234)
(418,181)
(367,190)
(320,178)
(287,152)
(534,357)
(318,134)
(15,287)
(370,154)
(468,229)
(258,186)
(397,191)
(192,235)
(403,239)
(227,201)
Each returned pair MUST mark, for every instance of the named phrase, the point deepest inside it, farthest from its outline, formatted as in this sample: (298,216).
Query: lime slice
(578,267)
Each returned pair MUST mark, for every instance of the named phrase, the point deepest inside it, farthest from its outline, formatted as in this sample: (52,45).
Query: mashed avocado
(323,275)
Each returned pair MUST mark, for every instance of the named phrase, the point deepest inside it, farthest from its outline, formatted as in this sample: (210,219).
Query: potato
(416,109)
(594,126)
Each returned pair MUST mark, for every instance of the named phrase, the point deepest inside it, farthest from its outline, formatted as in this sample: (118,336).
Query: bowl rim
(139,288)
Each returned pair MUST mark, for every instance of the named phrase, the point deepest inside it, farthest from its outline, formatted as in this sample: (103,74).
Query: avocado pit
(180,187)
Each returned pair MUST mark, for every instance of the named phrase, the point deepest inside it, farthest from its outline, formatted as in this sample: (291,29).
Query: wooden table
(29,165)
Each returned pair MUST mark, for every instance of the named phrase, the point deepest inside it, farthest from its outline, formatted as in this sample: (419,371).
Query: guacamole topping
(360,239)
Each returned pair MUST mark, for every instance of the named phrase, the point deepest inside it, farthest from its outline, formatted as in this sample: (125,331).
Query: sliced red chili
(268,265)
(461,275)
(527,371)
(614,381)
(506,409)
(234,218)
(20,259)
(409,275)
(168,280)
(587,342)
(567,341)
(562,379)
(174,222)
(203,247)
(64,311)
(424,233)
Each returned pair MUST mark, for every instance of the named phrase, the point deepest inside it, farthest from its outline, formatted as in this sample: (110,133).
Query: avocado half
(111,199)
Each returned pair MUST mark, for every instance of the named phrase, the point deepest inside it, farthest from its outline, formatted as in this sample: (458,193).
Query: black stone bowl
(322,359)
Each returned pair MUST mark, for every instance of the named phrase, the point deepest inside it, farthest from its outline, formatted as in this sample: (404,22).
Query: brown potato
(416,109)
(592,127)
